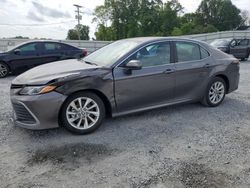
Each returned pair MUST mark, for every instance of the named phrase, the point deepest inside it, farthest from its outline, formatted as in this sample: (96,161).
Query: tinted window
(29,47)
(52,46)
(204,53)
(153,55)
(68,47)
(187,51)
(243,42)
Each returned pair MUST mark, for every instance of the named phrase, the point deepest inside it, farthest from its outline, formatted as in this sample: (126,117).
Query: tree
(220,13)
(132,18)
(245,14)
(79,30)
(21,37)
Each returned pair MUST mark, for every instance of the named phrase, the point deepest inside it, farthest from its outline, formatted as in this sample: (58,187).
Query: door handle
(169,71)
(207,65)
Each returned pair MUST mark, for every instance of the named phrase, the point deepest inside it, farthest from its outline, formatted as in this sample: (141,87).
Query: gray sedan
(124,77)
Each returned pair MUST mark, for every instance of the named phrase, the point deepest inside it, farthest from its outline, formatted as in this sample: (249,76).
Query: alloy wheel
(82,113)
(216,92)
(3,70)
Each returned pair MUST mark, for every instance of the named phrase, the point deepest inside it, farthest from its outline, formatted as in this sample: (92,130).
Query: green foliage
(79,30)
(220,13)
(21,37)
(177,32)
(119,19)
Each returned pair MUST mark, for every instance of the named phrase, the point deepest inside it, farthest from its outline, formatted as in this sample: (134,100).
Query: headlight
(36,90)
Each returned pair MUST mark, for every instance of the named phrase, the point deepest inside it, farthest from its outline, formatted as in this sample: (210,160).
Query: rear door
(240,50)
(152,85)
(52,51)
(193,65)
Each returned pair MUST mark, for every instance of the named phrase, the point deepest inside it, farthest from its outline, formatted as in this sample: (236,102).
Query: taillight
(84,51)
(236,62)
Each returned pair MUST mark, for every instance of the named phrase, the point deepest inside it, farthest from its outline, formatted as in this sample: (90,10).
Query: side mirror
(17,51)
(133,65)
(233,44)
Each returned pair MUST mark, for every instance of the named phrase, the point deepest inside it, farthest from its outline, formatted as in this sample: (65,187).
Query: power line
(78,17)
(37,25)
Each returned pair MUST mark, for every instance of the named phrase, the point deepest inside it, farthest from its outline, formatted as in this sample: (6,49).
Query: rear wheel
(4,70)
(83,113)
(215,93)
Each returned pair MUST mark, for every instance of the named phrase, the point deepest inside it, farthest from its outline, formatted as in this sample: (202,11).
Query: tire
(215,92)
(4,70)
(243,59)
(83,120)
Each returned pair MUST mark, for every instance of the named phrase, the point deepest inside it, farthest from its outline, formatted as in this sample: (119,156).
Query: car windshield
(221,42)
(109,54)
(16,47)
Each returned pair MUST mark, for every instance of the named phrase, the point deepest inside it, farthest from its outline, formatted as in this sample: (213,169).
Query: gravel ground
(180,146)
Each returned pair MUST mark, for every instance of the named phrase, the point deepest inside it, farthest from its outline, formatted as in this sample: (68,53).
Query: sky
(53,18)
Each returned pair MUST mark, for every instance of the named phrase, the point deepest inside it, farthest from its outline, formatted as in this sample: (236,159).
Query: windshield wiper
(90,63)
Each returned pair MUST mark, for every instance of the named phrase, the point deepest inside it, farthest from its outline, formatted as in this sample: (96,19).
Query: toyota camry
(124,77)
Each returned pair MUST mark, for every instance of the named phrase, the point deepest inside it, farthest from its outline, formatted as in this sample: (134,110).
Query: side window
(29,47)
(187,51)
(52,46)
(243,42)
(68,47)
(153,55)
(204,53)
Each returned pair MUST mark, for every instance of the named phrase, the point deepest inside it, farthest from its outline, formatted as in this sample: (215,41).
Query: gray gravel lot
(180,146)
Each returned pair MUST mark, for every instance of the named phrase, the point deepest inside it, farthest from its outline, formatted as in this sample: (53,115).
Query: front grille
(22,114)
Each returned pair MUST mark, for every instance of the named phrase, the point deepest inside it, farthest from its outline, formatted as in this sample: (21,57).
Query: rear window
(204,53)
(68,47)
(187,51)
(52,46)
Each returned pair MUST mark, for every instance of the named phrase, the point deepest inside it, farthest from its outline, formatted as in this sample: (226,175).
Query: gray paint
(143,89)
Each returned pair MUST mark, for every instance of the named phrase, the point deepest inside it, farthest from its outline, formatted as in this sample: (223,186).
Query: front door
(27,57)
(152,85)
(240,49)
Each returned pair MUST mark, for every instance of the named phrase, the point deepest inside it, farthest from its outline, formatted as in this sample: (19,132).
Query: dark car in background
(31,54)
(239,48)
(124,77)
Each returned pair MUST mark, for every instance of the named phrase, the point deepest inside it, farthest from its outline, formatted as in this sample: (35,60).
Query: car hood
(46,73)
(3,53)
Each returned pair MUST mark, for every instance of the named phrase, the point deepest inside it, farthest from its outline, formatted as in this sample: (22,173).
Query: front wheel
(215,93)
(4,70)
(82,113)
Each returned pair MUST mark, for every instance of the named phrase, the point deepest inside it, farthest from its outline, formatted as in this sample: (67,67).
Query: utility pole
(78,17)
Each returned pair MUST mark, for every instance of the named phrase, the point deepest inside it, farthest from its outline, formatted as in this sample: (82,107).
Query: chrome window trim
(167,40)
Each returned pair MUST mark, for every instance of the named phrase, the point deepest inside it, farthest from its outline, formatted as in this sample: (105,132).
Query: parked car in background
(28,55)
(124,77)
(239,48)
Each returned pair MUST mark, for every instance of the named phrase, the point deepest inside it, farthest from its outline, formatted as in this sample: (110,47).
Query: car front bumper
(36,112)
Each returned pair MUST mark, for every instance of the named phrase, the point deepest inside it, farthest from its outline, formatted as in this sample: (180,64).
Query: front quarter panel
(100,80)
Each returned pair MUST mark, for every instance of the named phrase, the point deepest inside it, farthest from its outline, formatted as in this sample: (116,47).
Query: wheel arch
(225,78)
(102,96)
(6,65)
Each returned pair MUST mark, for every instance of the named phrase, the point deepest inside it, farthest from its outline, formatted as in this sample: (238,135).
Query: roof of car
(155,39)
